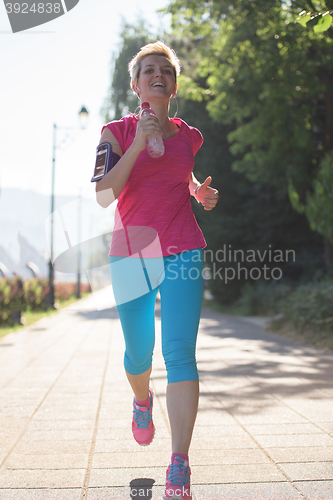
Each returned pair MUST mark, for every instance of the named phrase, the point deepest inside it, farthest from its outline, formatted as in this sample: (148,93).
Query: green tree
(120,96)
(319,206)
(248,215)
(270,79)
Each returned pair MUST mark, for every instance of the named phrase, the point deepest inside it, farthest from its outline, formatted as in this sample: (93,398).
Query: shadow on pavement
(257,366)
(110,313)
(141,488)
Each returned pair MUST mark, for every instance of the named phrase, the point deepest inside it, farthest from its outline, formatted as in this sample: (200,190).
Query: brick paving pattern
(264,428)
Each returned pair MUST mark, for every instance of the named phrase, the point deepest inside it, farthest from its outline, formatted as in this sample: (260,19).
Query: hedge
(18,295)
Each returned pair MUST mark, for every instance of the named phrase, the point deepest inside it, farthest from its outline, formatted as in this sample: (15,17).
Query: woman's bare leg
(140,384)
(182,403)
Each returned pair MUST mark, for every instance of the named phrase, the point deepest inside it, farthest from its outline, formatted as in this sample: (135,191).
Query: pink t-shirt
(156,197)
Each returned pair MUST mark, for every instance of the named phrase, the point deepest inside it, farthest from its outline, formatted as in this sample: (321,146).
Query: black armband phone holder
(105,160)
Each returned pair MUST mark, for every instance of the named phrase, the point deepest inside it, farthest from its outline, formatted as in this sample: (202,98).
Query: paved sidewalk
(264,428)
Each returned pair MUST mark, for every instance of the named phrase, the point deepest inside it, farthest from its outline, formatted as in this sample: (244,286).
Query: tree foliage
(249,215)
(120,96)
(319,205)
(270,79)
(254,211)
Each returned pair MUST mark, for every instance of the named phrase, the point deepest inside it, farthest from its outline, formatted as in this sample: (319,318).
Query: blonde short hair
(152,49)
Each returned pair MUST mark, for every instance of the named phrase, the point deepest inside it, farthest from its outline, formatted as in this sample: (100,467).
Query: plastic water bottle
(155,146)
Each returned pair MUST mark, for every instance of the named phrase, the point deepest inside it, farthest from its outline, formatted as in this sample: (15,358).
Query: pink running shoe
(142,424)
(178,485)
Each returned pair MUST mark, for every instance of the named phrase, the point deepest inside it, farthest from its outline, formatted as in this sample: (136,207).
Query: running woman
(154,223)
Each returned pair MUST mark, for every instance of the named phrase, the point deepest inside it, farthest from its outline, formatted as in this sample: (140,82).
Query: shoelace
(179,473)
(142,418)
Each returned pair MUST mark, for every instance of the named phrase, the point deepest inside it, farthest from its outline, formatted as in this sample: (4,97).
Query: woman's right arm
(111,185)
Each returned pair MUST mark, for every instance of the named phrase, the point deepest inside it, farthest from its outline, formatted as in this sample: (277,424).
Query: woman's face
(157,78)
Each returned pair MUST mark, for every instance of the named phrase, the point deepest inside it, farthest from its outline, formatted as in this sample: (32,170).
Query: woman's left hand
(206,195)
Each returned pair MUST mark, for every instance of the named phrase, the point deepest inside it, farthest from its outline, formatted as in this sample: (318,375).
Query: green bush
(303,307)
(64,291)
(17,295)
(263,298)
(36,291)
(309,306)
(12,298)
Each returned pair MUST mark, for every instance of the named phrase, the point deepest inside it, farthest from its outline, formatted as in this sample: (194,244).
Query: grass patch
(308,336)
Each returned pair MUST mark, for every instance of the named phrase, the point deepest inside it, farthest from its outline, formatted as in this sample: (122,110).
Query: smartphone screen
(101,161)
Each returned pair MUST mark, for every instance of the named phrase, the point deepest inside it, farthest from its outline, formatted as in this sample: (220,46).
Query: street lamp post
(83,115)
(79,215)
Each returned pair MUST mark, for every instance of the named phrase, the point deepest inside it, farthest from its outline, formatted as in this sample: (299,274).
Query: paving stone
(326,426)
(268,415)
(111,446)
(223,443)
(145,492)
(119,433)
(273,429)
(219,416)
(217,431)
(134,459)
(51,462)
(308,470)
(236,473)
(302,454)
(319,416)
(47,425)
(316,490)
(245,491)
(42,478)
(20,412)
(8,425)
(52,447)
(123,476)
(53,415)
(58,435)
(40,494)
(106,423)
(228,457)
(287,440)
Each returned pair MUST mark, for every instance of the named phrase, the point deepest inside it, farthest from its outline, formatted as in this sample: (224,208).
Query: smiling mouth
(158,85)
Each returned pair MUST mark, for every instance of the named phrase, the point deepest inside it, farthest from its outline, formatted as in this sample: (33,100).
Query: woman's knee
(180,361)
(138,363)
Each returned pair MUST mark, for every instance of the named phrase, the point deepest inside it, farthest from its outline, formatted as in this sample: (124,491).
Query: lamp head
(83,114)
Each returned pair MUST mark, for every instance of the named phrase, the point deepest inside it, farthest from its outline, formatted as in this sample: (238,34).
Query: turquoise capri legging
(179,278)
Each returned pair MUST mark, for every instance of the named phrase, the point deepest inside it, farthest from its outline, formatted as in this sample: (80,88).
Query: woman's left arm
(203,193)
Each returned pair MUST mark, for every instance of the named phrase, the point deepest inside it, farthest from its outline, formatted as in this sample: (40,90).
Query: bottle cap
(145,105)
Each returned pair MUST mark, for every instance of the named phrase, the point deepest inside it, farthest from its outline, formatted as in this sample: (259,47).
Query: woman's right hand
(147,125)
